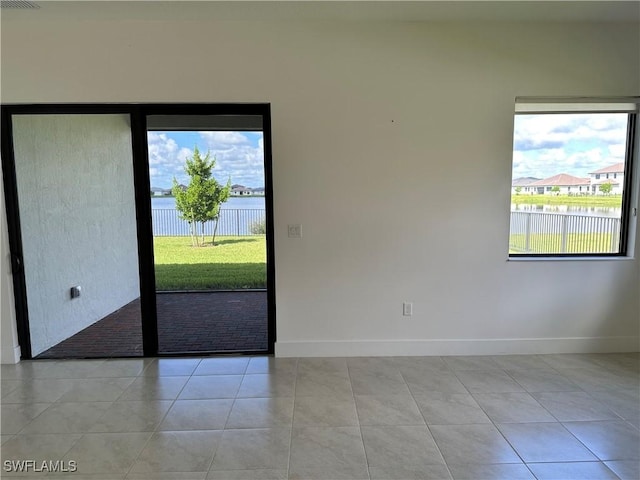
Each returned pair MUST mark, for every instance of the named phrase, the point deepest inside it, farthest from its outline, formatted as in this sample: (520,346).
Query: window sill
(621,258)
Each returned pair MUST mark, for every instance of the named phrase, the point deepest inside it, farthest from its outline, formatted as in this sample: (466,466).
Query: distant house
(240,191)
(613,174)
(258,191)
(159,192)
(522,184)
(561,184)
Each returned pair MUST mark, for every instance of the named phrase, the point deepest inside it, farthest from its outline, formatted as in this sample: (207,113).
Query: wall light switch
(295,230)
(76,291)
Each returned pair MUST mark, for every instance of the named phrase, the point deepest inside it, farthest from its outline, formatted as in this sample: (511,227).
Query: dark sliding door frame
(138,115)
(15,233)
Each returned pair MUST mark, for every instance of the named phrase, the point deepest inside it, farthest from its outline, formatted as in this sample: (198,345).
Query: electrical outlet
(295,230)
(75,291)
(407,309)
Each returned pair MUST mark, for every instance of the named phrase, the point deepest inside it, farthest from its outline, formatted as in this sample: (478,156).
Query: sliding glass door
(112,256)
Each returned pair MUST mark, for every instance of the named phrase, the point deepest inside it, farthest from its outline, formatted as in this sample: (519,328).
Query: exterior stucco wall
(75,188)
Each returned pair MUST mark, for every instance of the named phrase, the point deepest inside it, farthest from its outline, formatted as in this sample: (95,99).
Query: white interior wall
(77,214)
(392,147)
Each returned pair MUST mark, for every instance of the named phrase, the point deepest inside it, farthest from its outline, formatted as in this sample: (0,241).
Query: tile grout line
(226,421)
(444,461)
(155,430)
(353,395)
(293,414)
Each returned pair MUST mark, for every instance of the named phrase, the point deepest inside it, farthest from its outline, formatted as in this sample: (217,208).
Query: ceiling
(358,10)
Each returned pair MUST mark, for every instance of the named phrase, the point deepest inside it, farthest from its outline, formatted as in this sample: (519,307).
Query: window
(560,147)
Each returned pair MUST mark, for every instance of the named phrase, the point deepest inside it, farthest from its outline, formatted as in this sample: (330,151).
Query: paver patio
(187,322)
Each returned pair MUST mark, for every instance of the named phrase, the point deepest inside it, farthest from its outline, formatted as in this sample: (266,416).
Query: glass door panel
(207,189)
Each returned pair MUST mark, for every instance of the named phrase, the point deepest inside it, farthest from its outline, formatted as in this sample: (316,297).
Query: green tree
(605,188)
(518,190)
(555,189)
(200,201)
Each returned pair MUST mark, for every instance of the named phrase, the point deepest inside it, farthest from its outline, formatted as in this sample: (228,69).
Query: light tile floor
(513,417)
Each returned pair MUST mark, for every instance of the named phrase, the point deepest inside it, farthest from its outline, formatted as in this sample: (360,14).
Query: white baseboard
(508,346)
(11,357)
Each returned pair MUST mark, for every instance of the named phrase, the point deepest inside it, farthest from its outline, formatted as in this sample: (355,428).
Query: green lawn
(552,243)
(234,263)
(584,200)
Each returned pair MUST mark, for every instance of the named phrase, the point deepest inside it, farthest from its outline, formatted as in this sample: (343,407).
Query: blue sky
(547,144)
(239,156)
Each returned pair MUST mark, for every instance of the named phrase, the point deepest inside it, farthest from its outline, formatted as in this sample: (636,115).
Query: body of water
(232,203)
(569,209)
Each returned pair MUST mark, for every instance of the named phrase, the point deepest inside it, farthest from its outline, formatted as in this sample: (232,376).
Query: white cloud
(577,144)
(586,161)
(236,158)
(618,151)
(161,148)
(557,129)
(183,154)
(166,159)
(224,138)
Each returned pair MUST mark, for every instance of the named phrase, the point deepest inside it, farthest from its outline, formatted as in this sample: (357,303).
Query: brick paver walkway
(187,322)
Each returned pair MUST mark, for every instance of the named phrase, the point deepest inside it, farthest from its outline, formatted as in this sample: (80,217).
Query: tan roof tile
(561,180)
(616,168)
